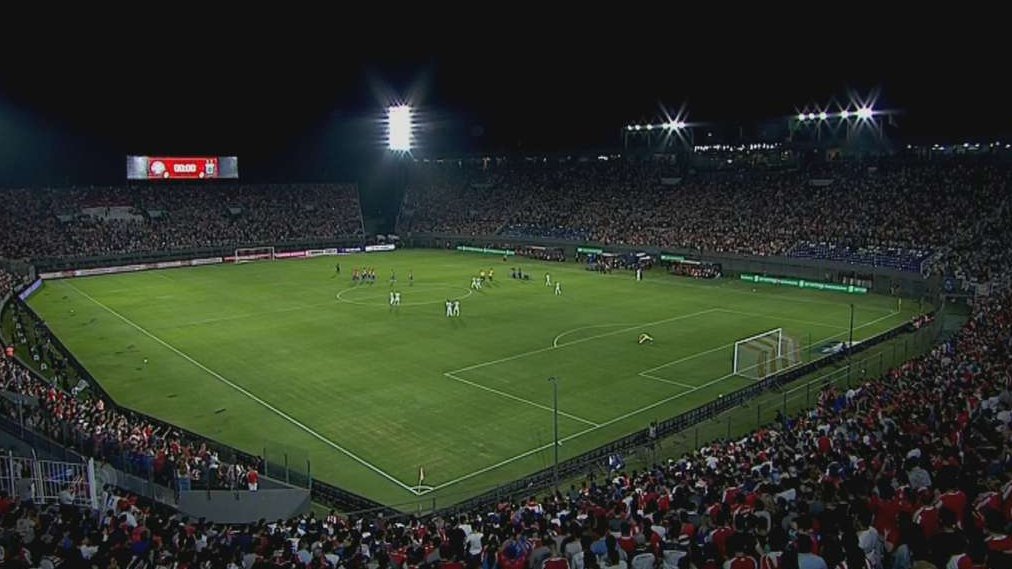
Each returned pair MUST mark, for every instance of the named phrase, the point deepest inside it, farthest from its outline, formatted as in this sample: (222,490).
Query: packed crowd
(898,209)
(86,423)
(37,223)
(7,282)
(912,471)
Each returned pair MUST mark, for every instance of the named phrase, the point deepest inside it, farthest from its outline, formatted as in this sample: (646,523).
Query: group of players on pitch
(368,275)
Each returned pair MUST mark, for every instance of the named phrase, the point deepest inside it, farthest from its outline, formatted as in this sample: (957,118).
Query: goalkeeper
(645,338)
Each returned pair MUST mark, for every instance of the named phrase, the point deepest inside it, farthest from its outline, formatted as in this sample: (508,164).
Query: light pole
(850,343)
(555,420)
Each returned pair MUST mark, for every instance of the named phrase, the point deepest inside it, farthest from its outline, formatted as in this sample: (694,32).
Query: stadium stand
(84,423)
(896,215)
(67,222)
(7,281)
(913,470)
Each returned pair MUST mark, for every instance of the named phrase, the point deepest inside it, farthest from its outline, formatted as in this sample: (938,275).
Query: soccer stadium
(412,341)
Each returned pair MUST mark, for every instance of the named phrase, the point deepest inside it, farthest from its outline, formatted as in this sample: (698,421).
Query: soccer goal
(252,254)
(765,354)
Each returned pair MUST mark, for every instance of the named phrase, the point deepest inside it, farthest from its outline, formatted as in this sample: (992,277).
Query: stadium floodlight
(637,127)
(801,116)
(844,114)
(399,128)
(864,113)
(811,116)
(650,127)
(680,125)
(823,116)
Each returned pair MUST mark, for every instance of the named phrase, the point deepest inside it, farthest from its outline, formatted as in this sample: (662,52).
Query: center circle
(378,295)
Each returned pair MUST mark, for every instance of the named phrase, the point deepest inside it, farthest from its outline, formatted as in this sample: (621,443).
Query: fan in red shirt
(926,516)
(955,500)
(741,561)
(997,540)
(555,563)
(253,479)
(719,536)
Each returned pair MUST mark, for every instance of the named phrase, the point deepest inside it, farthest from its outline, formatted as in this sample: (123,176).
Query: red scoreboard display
(181,168)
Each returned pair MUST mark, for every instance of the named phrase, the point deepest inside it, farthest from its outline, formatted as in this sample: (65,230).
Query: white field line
(519,399)
(250,395)
(622,417)
(663,380)
(555,342)
(581,340)
(555,345)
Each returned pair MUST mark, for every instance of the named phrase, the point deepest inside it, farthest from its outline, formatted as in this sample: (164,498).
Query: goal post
(252,254)
(765,354)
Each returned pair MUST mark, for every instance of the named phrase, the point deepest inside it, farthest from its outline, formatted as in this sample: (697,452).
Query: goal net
(765,354)
(252,254)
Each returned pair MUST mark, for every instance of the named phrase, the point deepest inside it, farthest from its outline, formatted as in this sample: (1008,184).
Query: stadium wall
(885,280)
(97,261)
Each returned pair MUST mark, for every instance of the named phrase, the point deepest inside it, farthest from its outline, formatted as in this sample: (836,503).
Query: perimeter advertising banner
(800,283)
(181,168)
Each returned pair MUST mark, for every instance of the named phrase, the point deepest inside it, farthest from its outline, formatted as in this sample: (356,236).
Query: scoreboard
(181,168)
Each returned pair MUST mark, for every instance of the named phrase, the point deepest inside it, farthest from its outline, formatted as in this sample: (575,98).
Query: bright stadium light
(680,125)
(801,116)
(845,114)
(823,116)
(399,128)
(811,116)
(864,113)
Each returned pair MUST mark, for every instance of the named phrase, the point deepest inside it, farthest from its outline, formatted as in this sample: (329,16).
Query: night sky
(301,104)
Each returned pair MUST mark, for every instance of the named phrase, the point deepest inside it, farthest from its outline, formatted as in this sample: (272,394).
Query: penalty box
(601,367)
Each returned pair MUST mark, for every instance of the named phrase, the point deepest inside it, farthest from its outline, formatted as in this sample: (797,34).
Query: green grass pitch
(290,355)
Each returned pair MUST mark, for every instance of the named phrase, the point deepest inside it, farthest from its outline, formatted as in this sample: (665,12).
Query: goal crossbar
(760,355)
(252,254)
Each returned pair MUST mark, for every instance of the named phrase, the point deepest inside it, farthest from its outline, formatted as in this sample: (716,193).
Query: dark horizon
(299,112)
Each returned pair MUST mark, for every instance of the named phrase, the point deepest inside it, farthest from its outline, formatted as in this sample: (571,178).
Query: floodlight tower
(400,122)
(669,133)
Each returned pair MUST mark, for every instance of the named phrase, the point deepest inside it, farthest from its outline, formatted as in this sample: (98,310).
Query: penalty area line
(519,399)
(624,416)
(582,340)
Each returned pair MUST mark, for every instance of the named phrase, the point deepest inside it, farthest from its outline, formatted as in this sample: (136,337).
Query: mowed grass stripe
(245,392)
(371,379)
